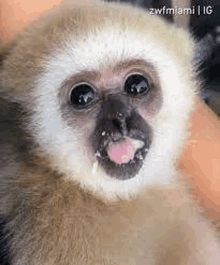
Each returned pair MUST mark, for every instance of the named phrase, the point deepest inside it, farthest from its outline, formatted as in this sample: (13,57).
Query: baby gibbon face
(109,91)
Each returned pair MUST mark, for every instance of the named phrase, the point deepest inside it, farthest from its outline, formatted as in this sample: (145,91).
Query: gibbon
(96,101)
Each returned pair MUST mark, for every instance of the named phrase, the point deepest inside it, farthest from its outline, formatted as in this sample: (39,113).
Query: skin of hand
(200,161)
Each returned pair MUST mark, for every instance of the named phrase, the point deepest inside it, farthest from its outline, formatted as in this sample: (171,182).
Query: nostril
(117,123)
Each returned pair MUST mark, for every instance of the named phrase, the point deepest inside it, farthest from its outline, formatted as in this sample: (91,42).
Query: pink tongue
(121,152)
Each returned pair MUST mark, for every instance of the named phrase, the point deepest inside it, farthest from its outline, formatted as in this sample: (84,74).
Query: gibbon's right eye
(82,95)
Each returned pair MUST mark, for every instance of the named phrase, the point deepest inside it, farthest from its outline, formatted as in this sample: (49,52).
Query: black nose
(115,114)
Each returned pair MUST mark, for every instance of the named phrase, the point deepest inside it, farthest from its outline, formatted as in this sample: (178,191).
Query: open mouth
(122,158)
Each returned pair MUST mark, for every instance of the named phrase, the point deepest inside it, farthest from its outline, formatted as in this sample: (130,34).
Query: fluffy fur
(60,206)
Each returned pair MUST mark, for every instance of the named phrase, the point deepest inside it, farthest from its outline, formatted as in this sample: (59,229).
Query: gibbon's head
(109,89)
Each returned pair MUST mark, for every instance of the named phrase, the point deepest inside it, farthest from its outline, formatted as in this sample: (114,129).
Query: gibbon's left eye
(82,95)
(136,84)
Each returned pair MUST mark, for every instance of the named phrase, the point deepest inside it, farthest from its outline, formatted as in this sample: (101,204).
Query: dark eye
(82,95)
(136,84)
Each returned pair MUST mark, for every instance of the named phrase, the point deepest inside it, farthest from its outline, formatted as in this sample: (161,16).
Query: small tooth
(103,133)
(137,144)
(98,154)
(146,149)
(139,156)
(94,167)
